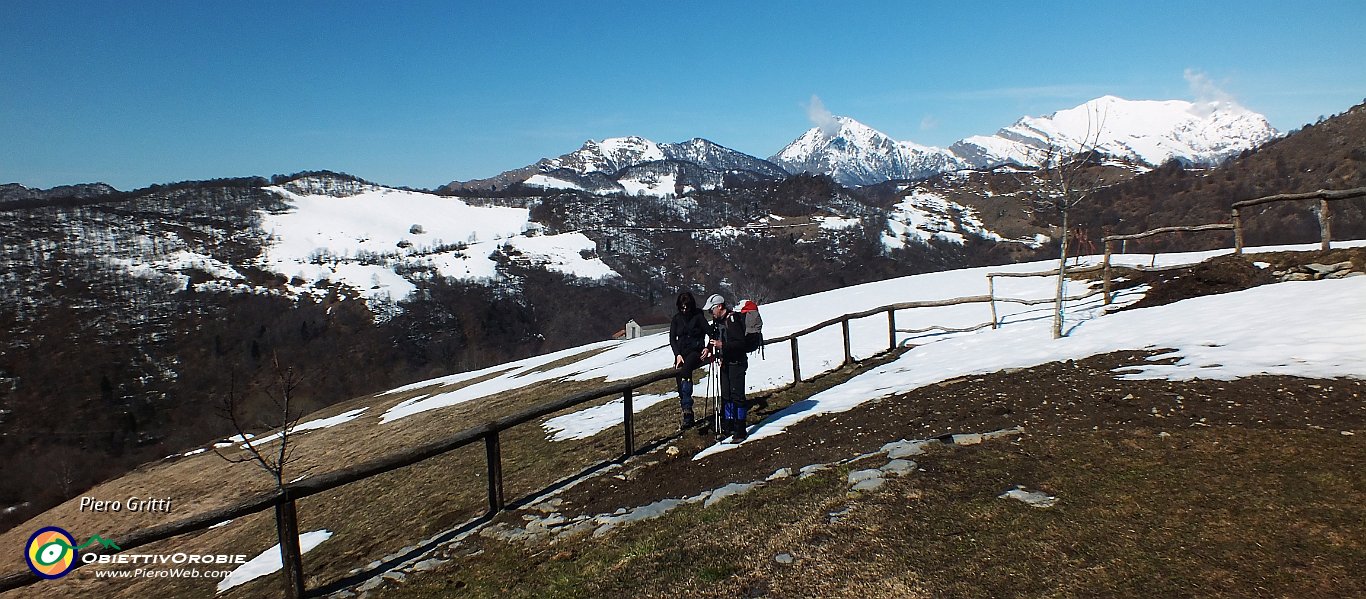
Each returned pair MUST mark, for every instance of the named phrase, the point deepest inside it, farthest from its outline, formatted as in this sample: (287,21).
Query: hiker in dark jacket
(728,345)
(687,337)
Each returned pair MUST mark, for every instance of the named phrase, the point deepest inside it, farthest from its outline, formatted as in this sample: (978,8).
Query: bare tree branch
(280,392)
(229,410)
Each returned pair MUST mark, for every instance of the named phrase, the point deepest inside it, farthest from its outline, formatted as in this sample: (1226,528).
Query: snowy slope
(1296,343)
(925,215)
(360,239)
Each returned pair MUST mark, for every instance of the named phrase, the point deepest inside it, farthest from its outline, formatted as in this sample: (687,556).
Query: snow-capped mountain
(616,153)
(635,165)
(606,156)
(1145,131)
(856,154)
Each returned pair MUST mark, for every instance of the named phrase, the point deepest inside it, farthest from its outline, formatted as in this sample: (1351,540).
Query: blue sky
(423,93)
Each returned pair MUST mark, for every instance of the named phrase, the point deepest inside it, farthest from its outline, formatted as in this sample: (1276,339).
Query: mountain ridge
(1149,132)
(606,167)
(1146,133)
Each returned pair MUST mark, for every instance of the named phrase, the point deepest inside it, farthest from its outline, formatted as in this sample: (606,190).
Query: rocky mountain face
(633,166)
(855,154)
(13,194)
(720,158)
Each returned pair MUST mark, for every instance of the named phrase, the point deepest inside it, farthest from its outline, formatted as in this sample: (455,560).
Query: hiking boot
(688,419)
(727,426)
(740,435)
(738,431)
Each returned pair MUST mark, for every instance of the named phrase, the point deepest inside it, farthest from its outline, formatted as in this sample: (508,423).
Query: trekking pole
(716,397)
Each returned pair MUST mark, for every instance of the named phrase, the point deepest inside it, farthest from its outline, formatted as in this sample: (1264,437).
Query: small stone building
(649,325)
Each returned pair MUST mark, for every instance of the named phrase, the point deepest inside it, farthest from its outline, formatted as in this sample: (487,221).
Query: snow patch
(269,561)
(313,425)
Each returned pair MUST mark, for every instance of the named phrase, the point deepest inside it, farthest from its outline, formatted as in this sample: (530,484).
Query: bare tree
(1068,178)
(280,391)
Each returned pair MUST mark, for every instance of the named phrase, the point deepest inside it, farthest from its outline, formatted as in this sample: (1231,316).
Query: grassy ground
(1225,512)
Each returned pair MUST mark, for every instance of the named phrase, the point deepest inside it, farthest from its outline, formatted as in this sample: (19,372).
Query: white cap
(714,301)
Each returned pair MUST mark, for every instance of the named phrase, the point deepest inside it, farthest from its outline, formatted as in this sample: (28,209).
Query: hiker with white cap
(728,347)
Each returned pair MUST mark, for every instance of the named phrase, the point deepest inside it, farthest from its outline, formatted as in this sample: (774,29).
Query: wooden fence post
(494,452)
(991,292)
(1237,232)
(628,417)
(287,528)
(891,329)
(1106,276)
(796,363)
(848,355)
(1325,225)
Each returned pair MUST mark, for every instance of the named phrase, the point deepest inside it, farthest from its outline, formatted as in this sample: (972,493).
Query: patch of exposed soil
(1224,274)
(1057,398)
(1228,273)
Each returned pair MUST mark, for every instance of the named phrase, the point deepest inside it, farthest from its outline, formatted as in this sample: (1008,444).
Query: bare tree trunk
(287,529)
(1062,275)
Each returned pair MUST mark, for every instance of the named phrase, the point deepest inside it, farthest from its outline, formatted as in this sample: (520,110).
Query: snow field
(1210,336)
(358,239)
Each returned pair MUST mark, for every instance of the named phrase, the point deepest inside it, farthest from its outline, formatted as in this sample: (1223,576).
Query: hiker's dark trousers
(733,390)
(690,362)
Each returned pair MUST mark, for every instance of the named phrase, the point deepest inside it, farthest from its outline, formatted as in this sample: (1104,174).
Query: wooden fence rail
(994,323)
(1324,215)
(1109,240)
(1325,219)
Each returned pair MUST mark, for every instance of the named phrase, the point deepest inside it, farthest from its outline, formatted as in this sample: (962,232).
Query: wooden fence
(1324,215)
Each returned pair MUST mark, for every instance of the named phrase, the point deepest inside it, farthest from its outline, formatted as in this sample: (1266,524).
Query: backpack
(754,325)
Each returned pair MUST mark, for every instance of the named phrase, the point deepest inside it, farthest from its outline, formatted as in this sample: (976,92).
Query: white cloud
(1208,94)
(822,118)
